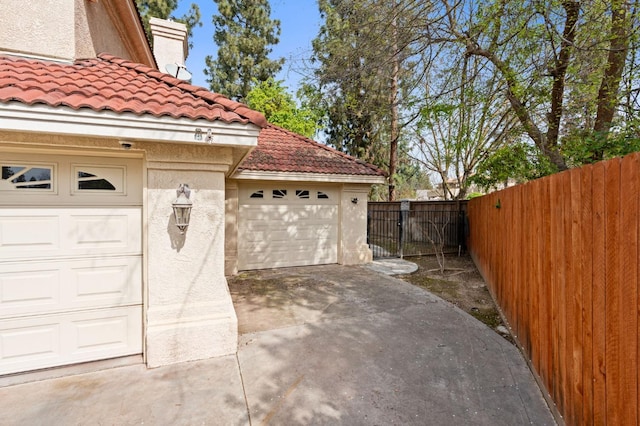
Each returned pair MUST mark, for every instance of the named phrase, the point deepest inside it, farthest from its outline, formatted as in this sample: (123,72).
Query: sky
(299,24)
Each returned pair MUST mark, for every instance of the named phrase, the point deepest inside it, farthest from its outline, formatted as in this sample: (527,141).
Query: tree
(540,50)
(515,163)
(163,9)
(244,32)
(278,106)
(462,123)
(363,77)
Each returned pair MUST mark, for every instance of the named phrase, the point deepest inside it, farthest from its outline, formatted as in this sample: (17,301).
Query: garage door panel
(47,341)
(27,233)
(314,253)
(289,239)
(28,291)
(30,342)
(278,233)
(262,250)
(53,286)
(98,334)
(317,213)
(100,231)
(22,233)
(275,260)
(107,281)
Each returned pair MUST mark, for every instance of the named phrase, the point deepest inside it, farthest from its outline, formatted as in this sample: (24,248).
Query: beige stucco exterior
(73,29)
(190,314)
(353,248)
(169,42)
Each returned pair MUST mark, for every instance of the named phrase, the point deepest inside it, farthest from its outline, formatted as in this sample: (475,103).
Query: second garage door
(280,226)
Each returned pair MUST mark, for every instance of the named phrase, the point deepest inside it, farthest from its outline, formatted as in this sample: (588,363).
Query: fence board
(598,262)
(555,253)
(586,277)
(627,320)
(574,291)
(546,289)
(612,296)
(524,323)
(535,273)
(561,256)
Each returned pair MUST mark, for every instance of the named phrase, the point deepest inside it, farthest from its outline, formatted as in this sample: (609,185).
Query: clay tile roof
(280,150)
(109,83)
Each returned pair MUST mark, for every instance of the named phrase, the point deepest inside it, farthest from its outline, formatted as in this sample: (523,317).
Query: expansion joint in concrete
(244,391)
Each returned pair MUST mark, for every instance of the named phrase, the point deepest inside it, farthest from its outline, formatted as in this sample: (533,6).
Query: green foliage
(473,195)
(163,9)
(244,32)
(272,99)
(516,163)
(579,146)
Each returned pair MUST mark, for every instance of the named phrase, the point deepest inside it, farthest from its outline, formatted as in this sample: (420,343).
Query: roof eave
(308,177)
(16,116)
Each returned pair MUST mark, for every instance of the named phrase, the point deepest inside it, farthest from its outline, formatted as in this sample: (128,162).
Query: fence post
(405,206)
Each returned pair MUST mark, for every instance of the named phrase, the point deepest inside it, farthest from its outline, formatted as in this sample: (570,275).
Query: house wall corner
(231,229)
(353,247)
(190,314)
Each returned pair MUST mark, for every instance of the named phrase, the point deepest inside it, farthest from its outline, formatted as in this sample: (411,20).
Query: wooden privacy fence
(420,228)
(560,255)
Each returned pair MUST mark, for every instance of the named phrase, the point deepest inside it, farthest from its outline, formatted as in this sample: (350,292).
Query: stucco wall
(63,30)
(190,314)
(44,27)
(353,249)
(231,229)
(169,42)
(96,33)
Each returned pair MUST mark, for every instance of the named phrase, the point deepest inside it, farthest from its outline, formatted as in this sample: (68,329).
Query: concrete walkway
(319,345)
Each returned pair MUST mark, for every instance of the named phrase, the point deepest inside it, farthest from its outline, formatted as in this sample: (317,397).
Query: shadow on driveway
(346,345)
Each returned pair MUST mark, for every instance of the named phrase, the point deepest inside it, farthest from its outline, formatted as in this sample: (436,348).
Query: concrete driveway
(319,345)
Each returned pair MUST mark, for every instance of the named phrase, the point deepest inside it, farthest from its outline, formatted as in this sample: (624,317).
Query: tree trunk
(559,72)
(609,86)
(393,148)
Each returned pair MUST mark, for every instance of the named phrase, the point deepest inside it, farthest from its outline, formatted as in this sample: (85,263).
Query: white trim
(187,166)
(308,177)
(39,148)
(124,126)
(8,52)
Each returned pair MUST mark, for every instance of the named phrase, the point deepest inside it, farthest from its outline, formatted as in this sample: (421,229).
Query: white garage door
(287,226)
(70,260)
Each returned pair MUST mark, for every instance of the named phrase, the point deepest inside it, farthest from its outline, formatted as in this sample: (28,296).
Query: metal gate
(405,232)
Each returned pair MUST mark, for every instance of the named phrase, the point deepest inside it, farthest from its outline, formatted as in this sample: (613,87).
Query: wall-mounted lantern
(182,207)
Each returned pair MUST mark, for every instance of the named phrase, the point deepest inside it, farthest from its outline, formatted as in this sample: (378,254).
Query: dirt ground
(461,284)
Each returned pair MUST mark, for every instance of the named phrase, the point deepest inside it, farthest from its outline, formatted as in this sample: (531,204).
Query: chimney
(169,44)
